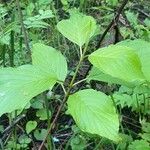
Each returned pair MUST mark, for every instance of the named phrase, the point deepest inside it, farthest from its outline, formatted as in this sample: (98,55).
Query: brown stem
(22,25)
(114,21)
(73,79)
(64,99)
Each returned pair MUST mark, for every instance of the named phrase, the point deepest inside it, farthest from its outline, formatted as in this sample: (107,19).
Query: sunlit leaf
(120,62)
(94,113)
(78,29)
(96,74)
(50,60)
(142,48)
(19,85)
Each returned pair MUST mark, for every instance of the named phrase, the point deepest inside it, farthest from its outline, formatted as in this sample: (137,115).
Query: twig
(64,99)
(114,21)
(12,125)
(142,12)
(26,40)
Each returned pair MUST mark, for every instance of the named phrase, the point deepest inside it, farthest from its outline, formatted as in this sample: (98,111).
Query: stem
(48,121)
(79,81)
(114,21)
(15,133)
(3,55)
(138,106)
(22,25)
(11,52)
(144,109)
(98,146)
(64,99)
(12,49)
(63,88)
(1,145)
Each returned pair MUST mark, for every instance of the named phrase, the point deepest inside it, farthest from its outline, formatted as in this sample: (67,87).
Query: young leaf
(31,125)
(94,113)
(142,48)
(19,85)
(78,29)
(118,61)
(50,60)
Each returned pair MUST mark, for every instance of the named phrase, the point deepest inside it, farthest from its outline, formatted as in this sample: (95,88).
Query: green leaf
(40,134)
(78,143)
(31,125)
(139,144)
(112,2)
(42,114)
(19,85)
(94,113)
(50,60)
(78,29)
(119,62)
(142,48)
(96,74)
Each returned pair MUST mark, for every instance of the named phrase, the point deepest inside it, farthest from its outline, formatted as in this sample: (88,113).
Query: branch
(114,21)
(65,98)
(22,25)
(73,79)
(4,133)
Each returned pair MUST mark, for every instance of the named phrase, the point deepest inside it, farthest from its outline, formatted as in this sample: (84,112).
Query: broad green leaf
(42,114)
(94,113)
(40,134)
(138,145)
(19,85)
(50,60)
(142,48)
(78,143)
(24,140)
(78,29)
(96,74)
(120,62)
(31,125)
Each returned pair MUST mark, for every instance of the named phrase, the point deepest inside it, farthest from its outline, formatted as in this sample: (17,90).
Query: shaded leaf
(40,134)
(42,114)
(31,125)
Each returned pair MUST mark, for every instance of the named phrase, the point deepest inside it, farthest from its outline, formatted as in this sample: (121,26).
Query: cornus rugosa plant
(126,63)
